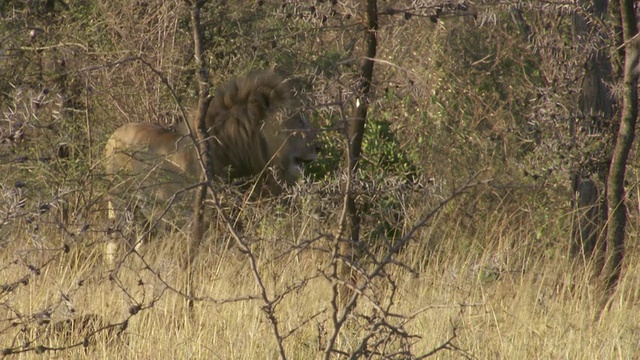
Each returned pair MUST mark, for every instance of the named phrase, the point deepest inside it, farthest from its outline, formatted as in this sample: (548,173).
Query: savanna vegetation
(475,195)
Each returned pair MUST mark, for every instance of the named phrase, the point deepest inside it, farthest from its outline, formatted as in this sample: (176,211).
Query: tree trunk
(587,228)
(595,101)
(356,132)
(626,133)
(617,55)
(203,146)
(596,107)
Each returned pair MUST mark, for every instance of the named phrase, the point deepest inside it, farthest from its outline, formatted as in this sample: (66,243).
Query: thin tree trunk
(203,146)
(356,132)
(626,133)
(617,56)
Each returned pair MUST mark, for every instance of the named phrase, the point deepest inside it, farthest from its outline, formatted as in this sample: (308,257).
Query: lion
(254,129)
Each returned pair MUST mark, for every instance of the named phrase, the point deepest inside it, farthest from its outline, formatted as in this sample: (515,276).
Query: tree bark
(587,228)
(356,131)
(596,108)
(595,100)
(199,132)
(617,54)
(626,133)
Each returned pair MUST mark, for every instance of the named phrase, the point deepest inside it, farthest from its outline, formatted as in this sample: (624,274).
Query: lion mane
(243,121)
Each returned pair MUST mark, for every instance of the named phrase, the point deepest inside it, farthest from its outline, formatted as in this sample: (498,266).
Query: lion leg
(126,229)
(112,242)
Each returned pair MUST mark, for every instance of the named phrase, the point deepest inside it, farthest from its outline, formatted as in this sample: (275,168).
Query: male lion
(253,129)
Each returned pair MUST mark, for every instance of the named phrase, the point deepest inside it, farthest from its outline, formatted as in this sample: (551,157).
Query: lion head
(292,143)
(255,129)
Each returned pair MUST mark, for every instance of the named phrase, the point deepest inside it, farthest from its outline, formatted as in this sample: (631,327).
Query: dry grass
(507,295)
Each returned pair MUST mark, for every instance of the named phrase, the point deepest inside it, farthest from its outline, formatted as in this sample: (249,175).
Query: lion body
(253,129)
(164,159)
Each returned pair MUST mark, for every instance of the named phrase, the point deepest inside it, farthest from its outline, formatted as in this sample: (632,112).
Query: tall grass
(500,286)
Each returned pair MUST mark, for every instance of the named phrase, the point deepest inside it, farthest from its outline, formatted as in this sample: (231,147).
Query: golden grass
(507,295)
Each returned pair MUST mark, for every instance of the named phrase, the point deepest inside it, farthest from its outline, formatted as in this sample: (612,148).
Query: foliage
(383,155)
